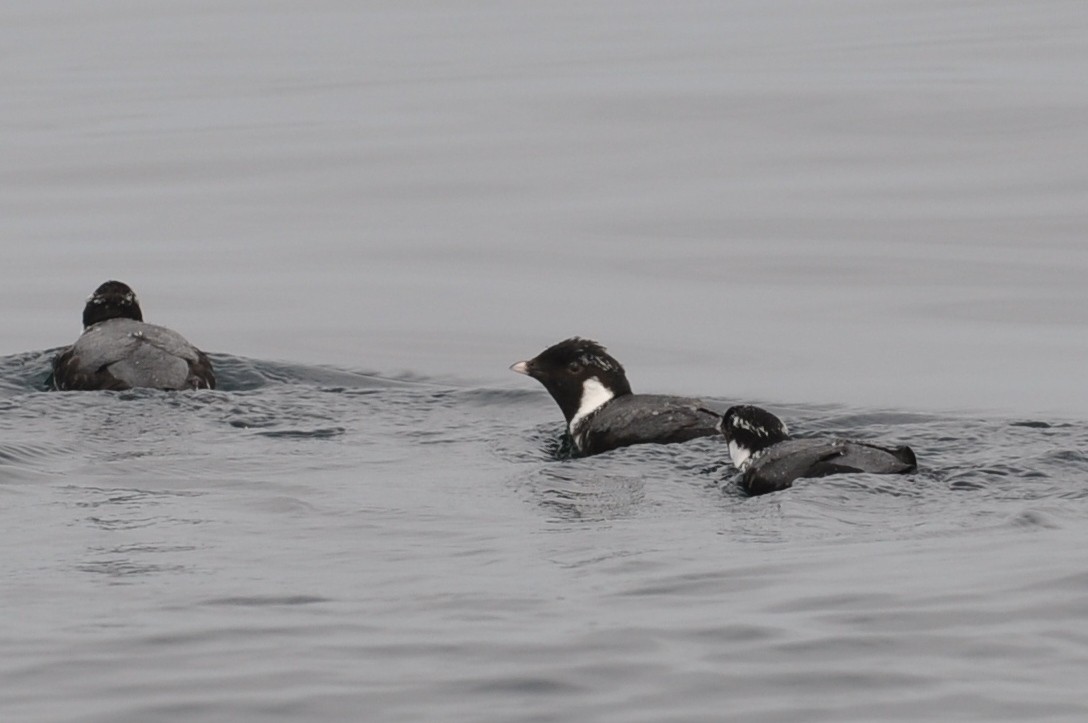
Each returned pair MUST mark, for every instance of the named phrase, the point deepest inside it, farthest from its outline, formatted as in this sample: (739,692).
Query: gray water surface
(306,544)
(869,218)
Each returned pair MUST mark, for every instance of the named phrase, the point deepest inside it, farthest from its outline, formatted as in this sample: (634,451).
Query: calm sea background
(869,217)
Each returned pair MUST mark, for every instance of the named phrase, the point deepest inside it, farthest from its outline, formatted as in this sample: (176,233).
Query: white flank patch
(594,394)
(741,456)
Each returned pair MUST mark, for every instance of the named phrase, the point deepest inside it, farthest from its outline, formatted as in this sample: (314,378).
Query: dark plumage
(768,460)
(118,350)
(592,391)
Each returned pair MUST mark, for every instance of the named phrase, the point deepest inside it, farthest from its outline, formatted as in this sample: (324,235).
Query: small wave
(29,371)
(238,374)
(27,453)
(267,600)
(123,568)
(1035,518)
(323,433)
(32,371)
(588,497)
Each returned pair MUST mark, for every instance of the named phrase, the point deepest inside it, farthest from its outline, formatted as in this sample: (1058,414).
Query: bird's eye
(574,367)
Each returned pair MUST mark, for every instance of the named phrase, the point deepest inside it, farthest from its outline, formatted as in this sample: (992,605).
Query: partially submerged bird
(769,460)
(592,391)
(117,350)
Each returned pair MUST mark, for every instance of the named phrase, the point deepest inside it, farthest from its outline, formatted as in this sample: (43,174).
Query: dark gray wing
(124,353)
(871,458)
(70,373)
(645,419)
(778,466)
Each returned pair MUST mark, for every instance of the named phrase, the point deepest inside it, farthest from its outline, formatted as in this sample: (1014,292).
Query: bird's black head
(111,300)
(749,430)
(577,372)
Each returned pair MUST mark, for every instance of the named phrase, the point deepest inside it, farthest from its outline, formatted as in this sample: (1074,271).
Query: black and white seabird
(769,460)
(591,389)
(117,350)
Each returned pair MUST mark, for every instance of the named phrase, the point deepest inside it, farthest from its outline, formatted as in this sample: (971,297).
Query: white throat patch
(594,394)
(741,456)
